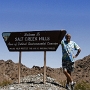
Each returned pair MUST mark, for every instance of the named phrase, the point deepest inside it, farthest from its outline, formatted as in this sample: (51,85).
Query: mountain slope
(9,70)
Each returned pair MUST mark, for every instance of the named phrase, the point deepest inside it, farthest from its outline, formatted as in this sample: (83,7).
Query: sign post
(33,41)
(44,79)
(19,67)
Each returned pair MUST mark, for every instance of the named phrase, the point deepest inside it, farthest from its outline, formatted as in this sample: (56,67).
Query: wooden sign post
(19,67)
(44,79)
(33,41)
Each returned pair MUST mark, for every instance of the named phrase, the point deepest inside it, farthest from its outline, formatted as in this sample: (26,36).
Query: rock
(11,88)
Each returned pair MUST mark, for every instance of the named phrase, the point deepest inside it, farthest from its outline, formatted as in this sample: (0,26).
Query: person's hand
(74,56)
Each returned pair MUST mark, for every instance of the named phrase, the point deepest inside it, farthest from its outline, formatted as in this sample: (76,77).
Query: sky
(39,15)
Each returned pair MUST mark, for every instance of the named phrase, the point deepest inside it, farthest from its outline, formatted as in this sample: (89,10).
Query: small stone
(11,88)
(49,89)
(19,88)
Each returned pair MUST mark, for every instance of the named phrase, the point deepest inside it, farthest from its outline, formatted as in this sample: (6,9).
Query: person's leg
(68,75)
(67,81)
(69,72)
(68,78)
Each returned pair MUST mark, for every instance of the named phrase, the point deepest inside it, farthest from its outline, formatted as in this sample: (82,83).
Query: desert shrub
(63,83)
(78,86)
(5,83)
(82,86)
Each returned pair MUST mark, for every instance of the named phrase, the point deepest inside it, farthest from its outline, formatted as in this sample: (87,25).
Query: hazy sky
(36,15)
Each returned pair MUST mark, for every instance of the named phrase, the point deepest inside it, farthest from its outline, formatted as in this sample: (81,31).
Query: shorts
(68,65)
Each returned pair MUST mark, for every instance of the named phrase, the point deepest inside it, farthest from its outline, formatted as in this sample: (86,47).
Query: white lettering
(38,34)
(48,43)
(29,34)
(19,43)
(24,48)
(43,43)
(51,48)
(30,38)
(44,38)
(19,39)
(10,44)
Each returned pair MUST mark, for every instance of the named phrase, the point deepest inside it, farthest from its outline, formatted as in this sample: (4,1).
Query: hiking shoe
(67,87)
(72,85)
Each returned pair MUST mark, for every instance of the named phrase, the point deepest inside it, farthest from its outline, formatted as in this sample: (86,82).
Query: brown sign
(33,40)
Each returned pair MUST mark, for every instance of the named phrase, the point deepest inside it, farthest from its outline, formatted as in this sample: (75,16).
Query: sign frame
(33,40)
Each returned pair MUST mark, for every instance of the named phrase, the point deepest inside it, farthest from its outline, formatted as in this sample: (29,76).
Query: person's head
(68,37)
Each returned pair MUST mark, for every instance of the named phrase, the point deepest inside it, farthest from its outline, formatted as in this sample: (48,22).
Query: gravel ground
(34,82)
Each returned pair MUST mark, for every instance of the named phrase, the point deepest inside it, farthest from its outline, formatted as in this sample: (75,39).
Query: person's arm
(77,48)
(78,51)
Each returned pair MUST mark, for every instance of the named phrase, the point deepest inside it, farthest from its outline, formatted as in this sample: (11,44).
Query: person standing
(68,56)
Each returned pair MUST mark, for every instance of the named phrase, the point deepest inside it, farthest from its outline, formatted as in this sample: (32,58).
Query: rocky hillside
(9,70)
(82,70)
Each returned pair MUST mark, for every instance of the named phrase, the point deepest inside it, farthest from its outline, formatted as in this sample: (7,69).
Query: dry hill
(9,70)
